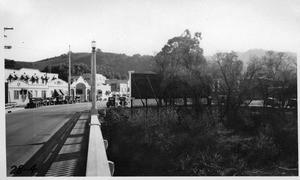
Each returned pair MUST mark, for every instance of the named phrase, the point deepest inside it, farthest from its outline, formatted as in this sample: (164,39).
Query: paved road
(29,129)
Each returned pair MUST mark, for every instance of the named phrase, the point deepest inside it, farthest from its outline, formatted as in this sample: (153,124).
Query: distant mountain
(245,56)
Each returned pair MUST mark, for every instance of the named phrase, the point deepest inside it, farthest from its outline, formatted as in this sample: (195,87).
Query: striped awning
(58,92)
(61,91)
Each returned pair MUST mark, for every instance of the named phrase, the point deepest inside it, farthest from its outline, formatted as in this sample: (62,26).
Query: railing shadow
(59,150)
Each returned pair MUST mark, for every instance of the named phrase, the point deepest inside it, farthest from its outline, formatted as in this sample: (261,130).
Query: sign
(145,86)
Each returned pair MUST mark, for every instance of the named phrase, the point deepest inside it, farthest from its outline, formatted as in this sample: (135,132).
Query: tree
(62,70)
(236,84)
(280,71)
(9,64)
(182,67)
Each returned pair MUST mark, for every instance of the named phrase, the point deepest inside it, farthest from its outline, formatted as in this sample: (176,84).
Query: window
(16,94)
(114,87)
(43,94)
(29,94)
(36,93)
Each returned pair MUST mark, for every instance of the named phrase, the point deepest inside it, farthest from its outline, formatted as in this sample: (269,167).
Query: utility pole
(69,79)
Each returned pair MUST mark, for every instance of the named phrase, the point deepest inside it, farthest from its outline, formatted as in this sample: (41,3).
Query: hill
(244,56)
(111,65)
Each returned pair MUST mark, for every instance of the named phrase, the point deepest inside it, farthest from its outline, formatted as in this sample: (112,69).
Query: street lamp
(93,78)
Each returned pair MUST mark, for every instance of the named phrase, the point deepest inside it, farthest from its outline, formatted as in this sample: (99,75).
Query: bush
(181,142)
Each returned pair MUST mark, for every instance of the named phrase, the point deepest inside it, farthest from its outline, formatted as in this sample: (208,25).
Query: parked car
(111,102)
(50,101)
(122,101)
(43,101)
(59,100)
(69,100)
(34,102)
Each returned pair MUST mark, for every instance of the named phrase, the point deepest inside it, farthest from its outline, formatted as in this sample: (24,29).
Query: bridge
(61,140)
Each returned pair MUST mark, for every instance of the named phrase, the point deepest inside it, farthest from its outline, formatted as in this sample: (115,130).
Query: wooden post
(69,78)
(131,106)
(146,107)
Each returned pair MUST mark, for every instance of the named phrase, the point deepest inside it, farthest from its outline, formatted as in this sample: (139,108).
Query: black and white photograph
(149,88)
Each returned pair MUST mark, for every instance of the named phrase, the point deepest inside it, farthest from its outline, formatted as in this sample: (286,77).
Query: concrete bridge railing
(97,162)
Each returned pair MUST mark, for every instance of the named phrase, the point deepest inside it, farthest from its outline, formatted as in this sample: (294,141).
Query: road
(29,129)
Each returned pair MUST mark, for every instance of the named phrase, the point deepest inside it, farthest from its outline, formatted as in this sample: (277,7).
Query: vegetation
(224,136)
(225,79)
(181,143)
(183,68)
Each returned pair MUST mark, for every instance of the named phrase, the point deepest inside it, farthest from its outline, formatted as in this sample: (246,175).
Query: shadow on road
(64,154)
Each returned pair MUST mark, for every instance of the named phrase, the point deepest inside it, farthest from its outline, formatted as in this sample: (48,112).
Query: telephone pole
(69,79)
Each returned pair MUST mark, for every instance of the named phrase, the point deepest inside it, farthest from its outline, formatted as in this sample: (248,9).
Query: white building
(26,83)
(103,89)
(80,87)
(118,87)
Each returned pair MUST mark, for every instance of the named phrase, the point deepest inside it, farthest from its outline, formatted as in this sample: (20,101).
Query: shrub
(181,142)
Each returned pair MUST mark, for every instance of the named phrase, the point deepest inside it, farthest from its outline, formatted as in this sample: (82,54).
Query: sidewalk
(10,110)
(72,157)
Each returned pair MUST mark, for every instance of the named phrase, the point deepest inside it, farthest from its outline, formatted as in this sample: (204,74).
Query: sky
(46,28)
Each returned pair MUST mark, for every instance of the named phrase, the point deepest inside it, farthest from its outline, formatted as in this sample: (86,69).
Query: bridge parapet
(97,162)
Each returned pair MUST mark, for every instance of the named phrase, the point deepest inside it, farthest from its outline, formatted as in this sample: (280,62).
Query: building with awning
(26,83)
(57,87)
(57,92)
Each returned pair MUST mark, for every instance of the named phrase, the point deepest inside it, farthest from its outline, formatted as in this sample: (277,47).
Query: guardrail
(97,162)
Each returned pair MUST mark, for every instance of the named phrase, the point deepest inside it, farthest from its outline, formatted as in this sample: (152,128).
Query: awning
(62,92)
(58,92)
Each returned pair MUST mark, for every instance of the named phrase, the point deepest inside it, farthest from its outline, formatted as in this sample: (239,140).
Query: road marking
(47,158)
(54,147)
